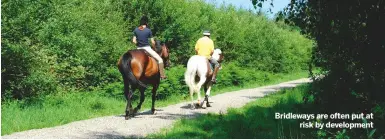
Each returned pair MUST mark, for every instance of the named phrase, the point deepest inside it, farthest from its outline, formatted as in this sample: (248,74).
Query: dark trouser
(216,68)
(215,62)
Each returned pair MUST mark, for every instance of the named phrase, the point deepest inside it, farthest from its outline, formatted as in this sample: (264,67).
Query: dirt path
(116,127)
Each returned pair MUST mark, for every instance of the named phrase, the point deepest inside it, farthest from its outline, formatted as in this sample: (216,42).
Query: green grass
(255,120)
(273,79)
(64,108)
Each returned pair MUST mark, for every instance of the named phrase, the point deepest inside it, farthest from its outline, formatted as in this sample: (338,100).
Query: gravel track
(144,123)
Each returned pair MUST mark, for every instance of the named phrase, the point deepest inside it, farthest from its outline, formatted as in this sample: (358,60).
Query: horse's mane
(158,46)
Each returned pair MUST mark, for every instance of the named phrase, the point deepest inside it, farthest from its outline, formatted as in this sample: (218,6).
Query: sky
(246,4)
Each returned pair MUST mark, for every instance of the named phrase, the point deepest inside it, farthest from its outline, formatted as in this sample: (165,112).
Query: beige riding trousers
(150,51)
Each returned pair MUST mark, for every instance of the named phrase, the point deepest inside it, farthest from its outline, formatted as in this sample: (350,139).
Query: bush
(350,51)
(59,43)
(75,44)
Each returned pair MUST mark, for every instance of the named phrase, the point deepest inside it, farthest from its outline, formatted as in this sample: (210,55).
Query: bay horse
(138,70)
(198,74)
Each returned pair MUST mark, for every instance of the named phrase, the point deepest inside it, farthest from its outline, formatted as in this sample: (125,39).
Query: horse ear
(221,57)
(158,40)
(167,42)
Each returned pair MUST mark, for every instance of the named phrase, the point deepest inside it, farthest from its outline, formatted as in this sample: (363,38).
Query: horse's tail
(190,74)
(127,72)
(189,77)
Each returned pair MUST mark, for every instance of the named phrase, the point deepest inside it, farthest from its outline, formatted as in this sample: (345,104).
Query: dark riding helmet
(144,20)
(206,33)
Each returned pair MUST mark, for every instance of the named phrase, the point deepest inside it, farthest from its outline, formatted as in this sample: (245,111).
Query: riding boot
(161,71)
(214,80)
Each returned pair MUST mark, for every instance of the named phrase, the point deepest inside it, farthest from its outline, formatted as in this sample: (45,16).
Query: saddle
(145,52)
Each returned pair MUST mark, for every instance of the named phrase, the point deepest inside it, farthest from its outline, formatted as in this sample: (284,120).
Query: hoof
(192,106)
(132,115)
(126,118)
(153,111)
(208,105)
(135,110)
(203,105)
(197,105)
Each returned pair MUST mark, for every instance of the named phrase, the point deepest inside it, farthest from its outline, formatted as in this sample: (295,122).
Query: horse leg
(208,89)
(128,94)
(141,100)
(191,88)
(154,89)
(198,89)
(204,100)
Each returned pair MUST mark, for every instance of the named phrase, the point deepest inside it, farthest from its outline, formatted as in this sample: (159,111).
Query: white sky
(247,4)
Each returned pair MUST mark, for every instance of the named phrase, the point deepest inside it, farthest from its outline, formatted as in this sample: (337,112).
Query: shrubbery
(67,44)
(350,52)
(50,46)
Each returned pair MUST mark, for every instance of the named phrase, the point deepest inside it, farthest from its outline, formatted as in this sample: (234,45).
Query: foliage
(350,51)
(266,47)
(54,45)
(51,44)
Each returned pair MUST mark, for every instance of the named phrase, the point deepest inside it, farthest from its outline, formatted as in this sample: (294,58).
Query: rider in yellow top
(205,47)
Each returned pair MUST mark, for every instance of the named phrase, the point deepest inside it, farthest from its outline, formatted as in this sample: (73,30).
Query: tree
(350,50)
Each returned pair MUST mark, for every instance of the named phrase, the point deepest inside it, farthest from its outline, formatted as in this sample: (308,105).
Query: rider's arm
(153,43)
(134,39)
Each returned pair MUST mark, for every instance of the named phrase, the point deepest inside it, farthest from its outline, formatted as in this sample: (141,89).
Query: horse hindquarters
(194,67)
(129,79)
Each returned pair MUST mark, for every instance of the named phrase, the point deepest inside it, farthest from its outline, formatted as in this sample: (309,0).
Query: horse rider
(205,47)
(140,39)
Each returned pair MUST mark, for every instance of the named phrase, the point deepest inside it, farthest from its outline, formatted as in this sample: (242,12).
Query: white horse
(199,67)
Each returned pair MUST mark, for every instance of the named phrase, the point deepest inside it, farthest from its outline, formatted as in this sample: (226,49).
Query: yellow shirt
(204,47)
